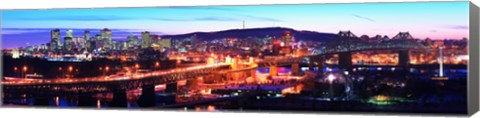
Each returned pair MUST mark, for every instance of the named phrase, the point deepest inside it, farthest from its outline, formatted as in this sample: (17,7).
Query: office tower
(69,33)
(155,38)
(132,41)
(106,37)
(68,43)
(165,43)
(86,35)
(146,40)
(55,39)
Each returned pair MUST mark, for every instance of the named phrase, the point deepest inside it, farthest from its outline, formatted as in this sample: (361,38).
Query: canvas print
(363,57)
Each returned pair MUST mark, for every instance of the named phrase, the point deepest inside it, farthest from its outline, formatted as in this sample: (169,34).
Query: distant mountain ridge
(256,32)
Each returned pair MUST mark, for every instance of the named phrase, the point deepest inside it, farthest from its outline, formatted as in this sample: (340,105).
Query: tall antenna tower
(243,24)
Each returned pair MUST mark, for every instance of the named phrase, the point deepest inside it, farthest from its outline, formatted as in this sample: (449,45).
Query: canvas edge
(1,60)
(473,64)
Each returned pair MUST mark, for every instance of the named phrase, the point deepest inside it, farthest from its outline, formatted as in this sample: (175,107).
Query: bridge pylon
(171,87)
(345,60)
(295,69)
(273,70)
(147,99)
(404,58)
(119,99)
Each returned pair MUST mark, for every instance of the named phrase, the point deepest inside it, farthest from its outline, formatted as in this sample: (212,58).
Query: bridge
(103,84)
(344,44)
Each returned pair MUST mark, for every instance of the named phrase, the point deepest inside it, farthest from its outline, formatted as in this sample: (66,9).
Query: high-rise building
(68,43)
(106,37)
(69,33)
(86,35)
(155,38)
(132,41)
(165,43)
(55,39)
(287,38)
(146,39)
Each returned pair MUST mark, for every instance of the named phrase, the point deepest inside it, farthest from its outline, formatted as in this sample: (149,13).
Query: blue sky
(437,20)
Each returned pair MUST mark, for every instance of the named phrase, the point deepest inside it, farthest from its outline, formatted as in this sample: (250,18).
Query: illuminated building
(132,41)
(146,40)
(106,36)
(69,33)
(86,35)
(276,47)
(55,39)
(68,43)
(165,43)
(155,38)
(15,53)
(287,38)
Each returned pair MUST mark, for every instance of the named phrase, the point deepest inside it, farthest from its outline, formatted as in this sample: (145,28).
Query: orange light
(157,64)
(210,108)
(25,68)
(107,68)
(137,66)
(60,68)
(15,68)
(70,68)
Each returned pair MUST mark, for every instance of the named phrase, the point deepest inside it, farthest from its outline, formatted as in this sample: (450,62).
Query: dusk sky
(437,20)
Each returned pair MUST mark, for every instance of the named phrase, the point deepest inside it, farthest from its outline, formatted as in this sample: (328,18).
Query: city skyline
(32,25)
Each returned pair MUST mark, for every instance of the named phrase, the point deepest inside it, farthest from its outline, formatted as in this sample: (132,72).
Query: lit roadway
(114,77)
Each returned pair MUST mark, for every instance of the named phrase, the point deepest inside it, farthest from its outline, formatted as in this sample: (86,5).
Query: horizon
(121,34)
(24,27)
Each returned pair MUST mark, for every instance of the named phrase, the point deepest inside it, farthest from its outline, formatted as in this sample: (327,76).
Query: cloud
(78,18)
(257,18)
(362,17)
(231,17)
(216,19)
(13,31)
(458,27)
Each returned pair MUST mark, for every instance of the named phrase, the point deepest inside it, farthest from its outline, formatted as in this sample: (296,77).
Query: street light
(107,69)
(25,68)
(137,66)
(331,78)
(157,64)
(70,69)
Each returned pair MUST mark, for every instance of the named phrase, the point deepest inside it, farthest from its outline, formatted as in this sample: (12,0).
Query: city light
(331,78)
(282,68)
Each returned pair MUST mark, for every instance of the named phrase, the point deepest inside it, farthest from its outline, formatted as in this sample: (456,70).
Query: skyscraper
(132,41)
(69,33)
(68,43)
(55,39)
(106,36)
(86,35)
(146,40)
